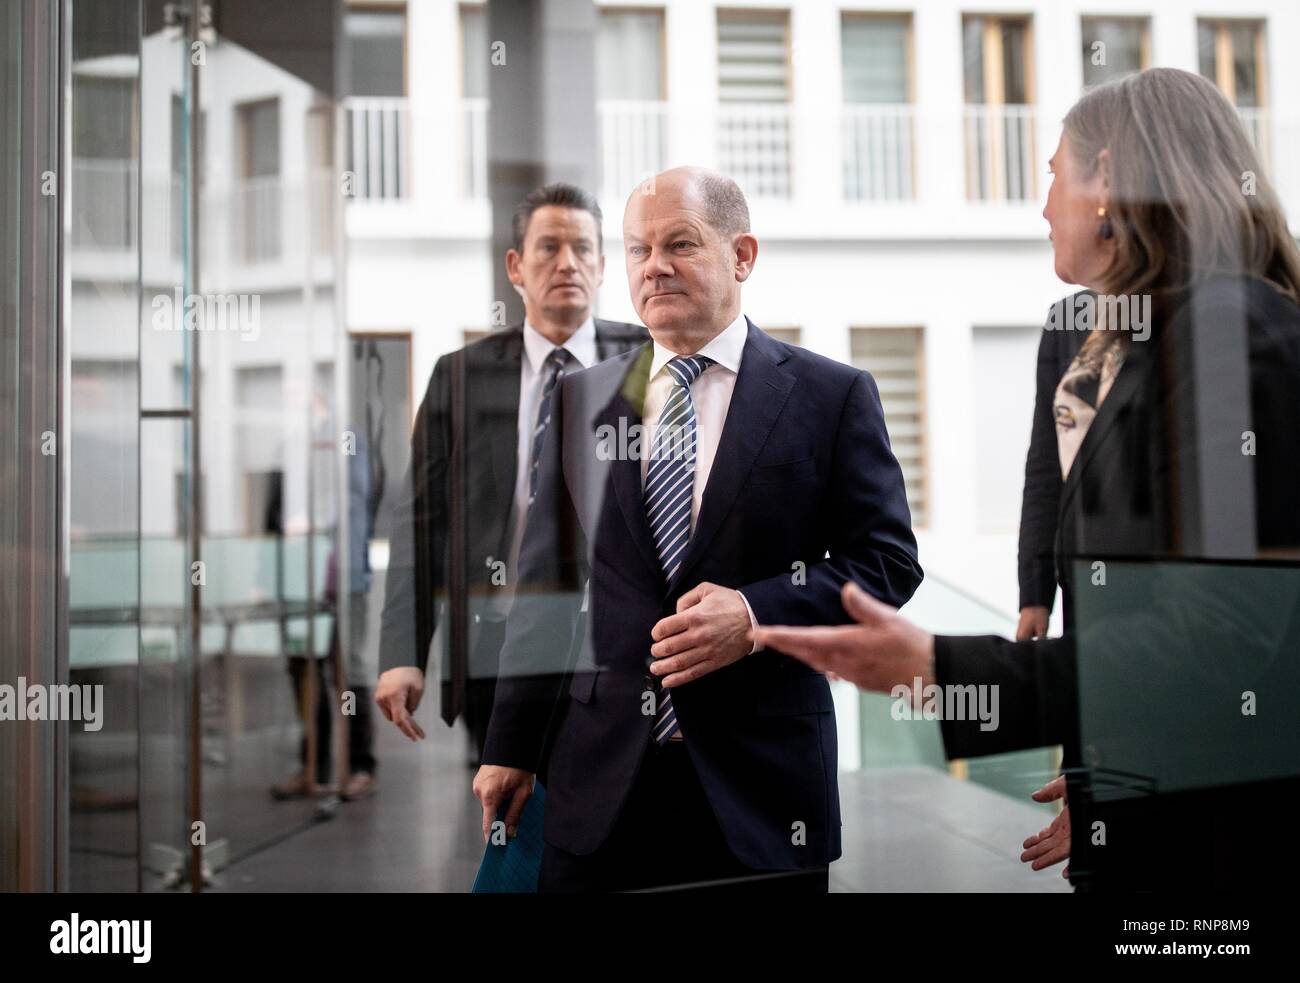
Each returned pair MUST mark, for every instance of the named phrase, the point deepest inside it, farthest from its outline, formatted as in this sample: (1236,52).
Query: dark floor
(905,829)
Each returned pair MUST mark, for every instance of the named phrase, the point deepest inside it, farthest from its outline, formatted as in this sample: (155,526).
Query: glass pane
(102,334)
(972,43)
(1205,640)
(752,57)
(1245,67)
(629,55)
(875,59)
(1112,48)
(376,43)
(1205,57)
(1015,52)
(475,53)
(267,279)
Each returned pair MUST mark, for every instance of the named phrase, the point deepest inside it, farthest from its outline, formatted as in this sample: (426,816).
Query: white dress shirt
(711,397)
(537,348)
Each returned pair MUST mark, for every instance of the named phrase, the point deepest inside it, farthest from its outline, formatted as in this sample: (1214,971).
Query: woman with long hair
(1179,440)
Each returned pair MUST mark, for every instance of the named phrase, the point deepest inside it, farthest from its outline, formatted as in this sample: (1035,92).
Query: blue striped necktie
(552,372)
(669,491)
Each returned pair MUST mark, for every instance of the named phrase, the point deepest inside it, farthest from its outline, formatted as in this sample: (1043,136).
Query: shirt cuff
(753,623)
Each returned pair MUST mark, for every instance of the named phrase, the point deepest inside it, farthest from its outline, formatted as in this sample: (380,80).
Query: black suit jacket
(803,469)
(1124,498)
(1041,501)
(422,575)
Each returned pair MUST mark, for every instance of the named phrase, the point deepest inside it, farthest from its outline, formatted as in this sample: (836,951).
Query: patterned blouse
(1081,391)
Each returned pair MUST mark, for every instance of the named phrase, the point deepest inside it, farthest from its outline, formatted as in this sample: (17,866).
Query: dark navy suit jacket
(804,494)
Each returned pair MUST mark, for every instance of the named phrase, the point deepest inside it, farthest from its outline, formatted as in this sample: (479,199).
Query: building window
(378,123)
(999,121)
(475,59)
(754,92)
(105,174)
(259,190)
(1114,47)
(1231,54)
(630,112)
(376,51)
(895,359)
(876,51)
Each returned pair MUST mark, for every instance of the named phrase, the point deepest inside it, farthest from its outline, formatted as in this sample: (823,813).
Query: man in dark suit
(710,481)
(460,518)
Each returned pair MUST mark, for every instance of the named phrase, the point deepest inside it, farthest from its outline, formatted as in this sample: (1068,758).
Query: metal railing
(1258,123)
(257,211)
(879,142)
(378,139)
(999,142)
(632,139)
(754,147)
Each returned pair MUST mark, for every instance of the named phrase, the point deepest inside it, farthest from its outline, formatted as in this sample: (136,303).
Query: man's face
(681,273)
(560,268)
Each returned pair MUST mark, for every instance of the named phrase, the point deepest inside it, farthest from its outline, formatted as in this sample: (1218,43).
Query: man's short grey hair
(724,203)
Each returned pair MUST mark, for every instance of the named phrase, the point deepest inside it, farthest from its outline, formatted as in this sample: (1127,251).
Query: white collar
(725,348)
(581,345)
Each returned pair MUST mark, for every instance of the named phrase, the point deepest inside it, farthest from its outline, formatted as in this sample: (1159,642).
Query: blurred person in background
(477,437)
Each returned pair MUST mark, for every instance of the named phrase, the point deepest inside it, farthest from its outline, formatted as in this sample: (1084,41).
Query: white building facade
(895,159)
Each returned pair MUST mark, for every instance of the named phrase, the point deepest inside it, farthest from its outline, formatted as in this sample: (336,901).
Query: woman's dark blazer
(1041,501)
(1127,496)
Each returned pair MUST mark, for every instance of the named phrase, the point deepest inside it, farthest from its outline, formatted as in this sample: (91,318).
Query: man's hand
(1033,623)
(881,651)
(709,631)
(497,785)
(398,694)
(1051,844)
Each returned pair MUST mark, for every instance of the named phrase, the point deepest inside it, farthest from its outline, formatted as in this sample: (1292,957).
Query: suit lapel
(502,370)
(625,470)
(762,388)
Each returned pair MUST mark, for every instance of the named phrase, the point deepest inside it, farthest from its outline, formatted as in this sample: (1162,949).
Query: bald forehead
(663,195)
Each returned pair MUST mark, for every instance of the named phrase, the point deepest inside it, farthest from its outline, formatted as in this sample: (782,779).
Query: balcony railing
(754,147)
(632,138)
(257,212)
(878,150)
(378,141)
(999,153)
(1258,123)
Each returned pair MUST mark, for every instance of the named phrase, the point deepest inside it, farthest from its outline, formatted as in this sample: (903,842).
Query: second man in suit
(460,517)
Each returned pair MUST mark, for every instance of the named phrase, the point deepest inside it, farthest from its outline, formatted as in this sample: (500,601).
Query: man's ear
(600,270)
(746,253)
(513,261)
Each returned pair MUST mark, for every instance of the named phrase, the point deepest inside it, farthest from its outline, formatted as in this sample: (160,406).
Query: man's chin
(572,314)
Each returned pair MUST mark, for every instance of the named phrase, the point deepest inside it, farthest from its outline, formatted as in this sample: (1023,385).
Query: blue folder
(512,868)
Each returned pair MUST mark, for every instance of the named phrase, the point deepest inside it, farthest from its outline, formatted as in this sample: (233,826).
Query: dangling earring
(1105,230)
